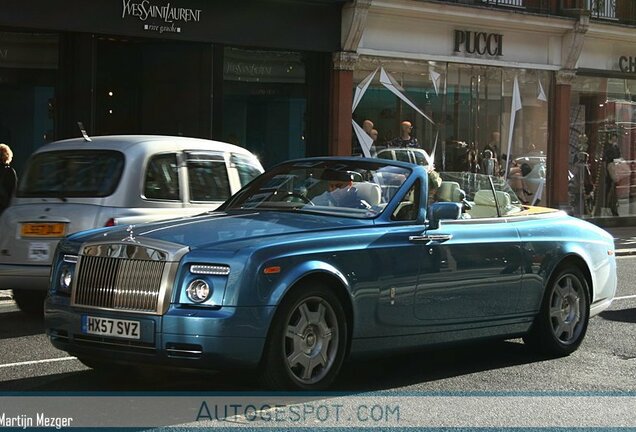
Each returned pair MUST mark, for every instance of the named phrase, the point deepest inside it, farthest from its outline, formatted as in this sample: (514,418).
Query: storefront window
(468,118)
(264,103)
(603,147)
(28,73)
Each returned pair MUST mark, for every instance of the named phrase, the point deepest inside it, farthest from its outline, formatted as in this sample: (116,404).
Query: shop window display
(466,117)
(602,147)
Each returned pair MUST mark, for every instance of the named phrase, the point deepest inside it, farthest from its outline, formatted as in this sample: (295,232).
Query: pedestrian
(8,178)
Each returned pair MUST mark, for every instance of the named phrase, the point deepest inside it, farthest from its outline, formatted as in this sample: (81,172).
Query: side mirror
(443,211)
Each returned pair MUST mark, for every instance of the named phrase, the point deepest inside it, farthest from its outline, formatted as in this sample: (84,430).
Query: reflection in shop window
(602,147)
(400,104)
(265,102)
(481,121)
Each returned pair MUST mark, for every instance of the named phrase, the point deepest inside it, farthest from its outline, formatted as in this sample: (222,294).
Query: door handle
(431,238)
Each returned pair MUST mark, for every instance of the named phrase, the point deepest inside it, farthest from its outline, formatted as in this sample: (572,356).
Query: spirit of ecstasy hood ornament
(131,237)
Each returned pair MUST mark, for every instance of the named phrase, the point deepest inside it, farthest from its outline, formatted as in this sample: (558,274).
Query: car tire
(30,301)
(561,324)
(307,341)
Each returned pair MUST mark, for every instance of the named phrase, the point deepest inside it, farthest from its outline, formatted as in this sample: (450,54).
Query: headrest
(486,198)
(370,192)
(449,191)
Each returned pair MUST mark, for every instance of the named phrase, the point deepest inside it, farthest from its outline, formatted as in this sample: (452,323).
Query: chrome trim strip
(180,351)
(71,259)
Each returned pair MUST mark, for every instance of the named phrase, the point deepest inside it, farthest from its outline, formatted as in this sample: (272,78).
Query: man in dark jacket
(8,178)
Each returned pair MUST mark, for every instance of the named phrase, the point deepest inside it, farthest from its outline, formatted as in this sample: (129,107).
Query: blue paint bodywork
(486,280)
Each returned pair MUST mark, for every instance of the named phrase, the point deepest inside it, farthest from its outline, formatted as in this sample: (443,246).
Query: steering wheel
(291,195)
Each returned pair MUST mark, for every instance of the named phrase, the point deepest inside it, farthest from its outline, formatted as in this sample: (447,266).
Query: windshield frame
(283,178)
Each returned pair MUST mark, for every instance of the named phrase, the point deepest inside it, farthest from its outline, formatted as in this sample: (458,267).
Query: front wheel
(307,341)
(560,327)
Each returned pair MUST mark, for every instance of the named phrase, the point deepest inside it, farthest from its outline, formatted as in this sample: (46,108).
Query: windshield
(72,173)
(340,188)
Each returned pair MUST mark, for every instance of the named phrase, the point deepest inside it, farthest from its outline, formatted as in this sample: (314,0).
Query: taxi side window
(208,178)
(246,167)
(162,178)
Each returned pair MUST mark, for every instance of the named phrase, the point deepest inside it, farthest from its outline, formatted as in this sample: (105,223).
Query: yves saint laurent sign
(480,43)
(160,18)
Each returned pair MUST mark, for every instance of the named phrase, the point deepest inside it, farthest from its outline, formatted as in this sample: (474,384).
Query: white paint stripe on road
(625,297)
(26,363)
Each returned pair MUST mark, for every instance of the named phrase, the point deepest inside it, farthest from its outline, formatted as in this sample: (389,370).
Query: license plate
(126,329)
(43,229)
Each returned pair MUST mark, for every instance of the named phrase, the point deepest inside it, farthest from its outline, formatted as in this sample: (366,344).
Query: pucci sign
(481,43)
(164,17)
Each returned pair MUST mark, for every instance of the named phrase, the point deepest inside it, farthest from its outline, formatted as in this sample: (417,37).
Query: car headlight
(66,277)
(198,291)
(66,273)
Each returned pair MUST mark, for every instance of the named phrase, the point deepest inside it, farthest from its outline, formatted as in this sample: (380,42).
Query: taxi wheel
(562,322)
(307,341)
(30,301)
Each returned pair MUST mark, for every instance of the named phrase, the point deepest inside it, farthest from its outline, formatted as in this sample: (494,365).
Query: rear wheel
(307,341)
(562,322)
(30,301)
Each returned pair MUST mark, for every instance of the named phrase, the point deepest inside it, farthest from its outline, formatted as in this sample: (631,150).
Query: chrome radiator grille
(119,283)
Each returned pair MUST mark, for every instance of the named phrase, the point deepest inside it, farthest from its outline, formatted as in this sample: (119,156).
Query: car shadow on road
(388,372)
(152,380)
(620,315)
(430,365)
(16,324)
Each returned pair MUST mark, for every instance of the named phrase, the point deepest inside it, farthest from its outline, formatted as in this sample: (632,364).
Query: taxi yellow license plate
(43,230)
(118,328)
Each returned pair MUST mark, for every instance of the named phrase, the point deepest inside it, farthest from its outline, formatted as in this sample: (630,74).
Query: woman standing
(8,178)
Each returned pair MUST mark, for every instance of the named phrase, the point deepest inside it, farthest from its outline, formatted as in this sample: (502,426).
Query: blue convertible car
(321,259)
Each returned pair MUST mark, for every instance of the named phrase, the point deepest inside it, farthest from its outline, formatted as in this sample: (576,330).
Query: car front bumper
(185,338)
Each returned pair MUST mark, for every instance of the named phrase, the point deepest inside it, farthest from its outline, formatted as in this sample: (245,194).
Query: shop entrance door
(474,102)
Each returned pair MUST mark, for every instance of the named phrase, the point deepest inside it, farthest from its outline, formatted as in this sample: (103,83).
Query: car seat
(369,192)
(484,206)
(449,191)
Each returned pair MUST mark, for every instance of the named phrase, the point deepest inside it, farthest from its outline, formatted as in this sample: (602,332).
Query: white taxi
(84,183)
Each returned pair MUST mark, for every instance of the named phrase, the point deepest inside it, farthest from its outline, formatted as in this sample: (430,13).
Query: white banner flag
(515,106)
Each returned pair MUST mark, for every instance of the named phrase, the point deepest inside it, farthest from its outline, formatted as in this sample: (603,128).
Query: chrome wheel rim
(311,340)
(567,308)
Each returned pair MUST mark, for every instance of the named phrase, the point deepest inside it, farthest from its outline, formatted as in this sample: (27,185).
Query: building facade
(254,73)
(544,85)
